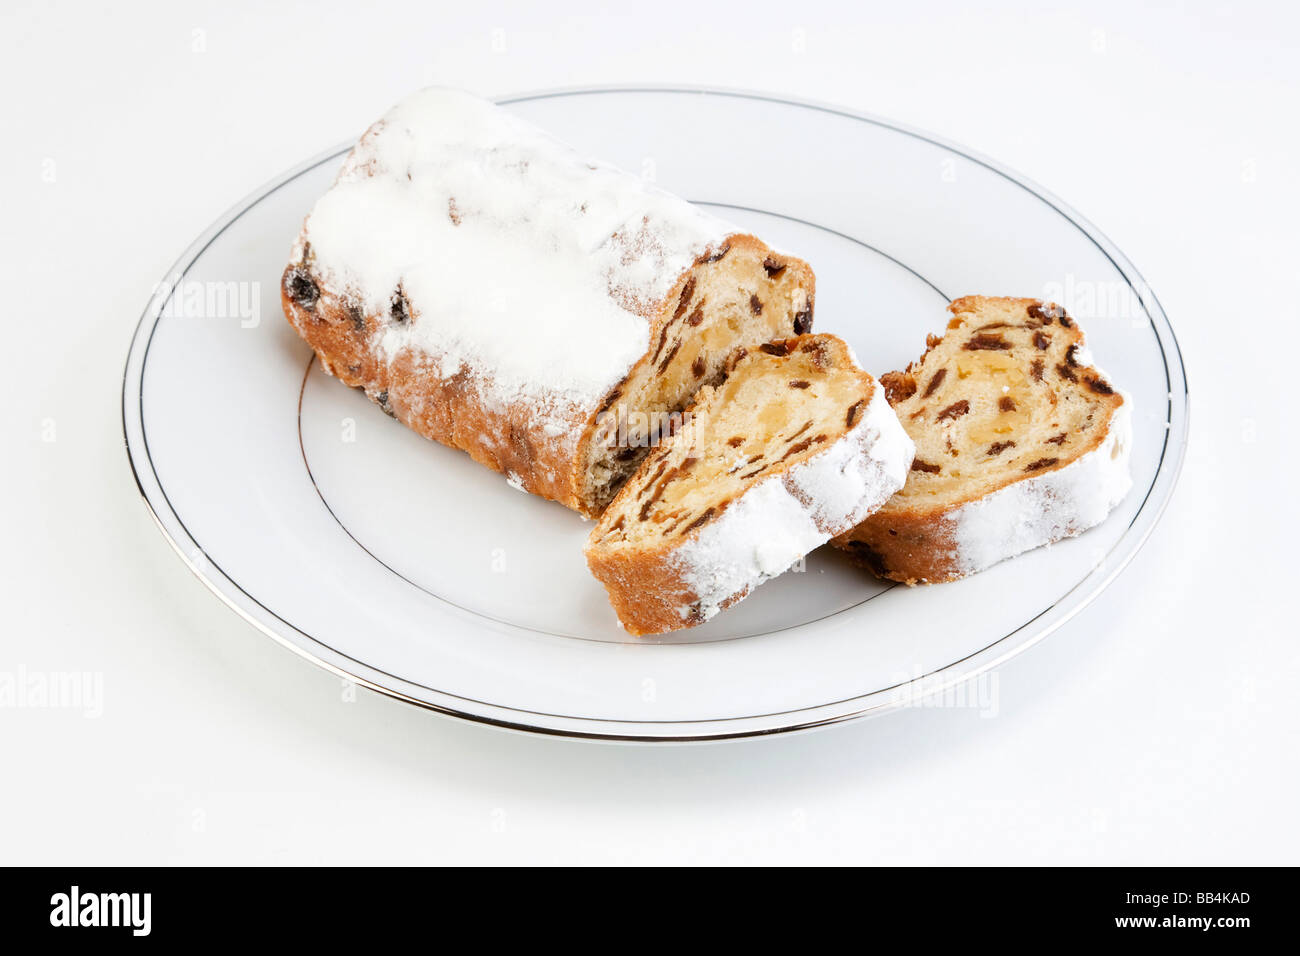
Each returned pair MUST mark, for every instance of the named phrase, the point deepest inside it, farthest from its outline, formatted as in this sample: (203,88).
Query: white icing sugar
(850,477)
(779,520)
(531,266)
(759,536)
(1048,507)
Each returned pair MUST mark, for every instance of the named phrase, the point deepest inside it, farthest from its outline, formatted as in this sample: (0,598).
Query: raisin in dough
(795,445)
(498,292)
(1020,442)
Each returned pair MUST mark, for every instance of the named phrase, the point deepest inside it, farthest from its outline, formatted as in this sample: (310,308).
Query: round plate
(400,564)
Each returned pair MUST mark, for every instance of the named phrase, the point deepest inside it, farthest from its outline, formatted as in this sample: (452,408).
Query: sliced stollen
(1020,441)
(500,293)
(795,445)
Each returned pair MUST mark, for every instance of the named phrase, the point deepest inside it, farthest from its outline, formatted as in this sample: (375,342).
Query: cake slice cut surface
(795,445)
(1020,441)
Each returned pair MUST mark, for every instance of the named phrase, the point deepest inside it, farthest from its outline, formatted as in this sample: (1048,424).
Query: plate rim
(872,703)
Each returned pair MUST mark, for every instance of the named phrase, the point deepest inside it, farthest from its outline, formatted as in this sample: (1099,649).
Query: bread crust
(545,455)
(914,544)
(653,589)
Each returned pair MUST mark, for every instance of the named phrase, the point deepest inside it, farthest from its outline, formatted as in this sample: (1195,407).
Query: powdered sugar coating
(779,520)
(531,267)
(1039,510)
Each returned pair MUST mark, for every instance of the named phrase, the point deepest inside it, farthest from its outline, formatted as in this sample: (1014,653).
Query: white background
(1158,726)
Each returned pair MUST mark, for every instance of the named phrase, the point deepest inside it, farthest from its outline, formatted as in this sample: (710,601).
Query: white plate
(402,565)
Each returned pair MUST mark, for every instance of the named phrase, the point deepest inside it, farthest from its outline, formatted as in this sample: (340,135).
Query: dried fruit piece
(1045,312)
(609,401)
(356,316)
(797,447)
(717,255)
(399,309)
(708,513)
(301,288)
(670,356)
(684,299)
(954,411)
(987,342)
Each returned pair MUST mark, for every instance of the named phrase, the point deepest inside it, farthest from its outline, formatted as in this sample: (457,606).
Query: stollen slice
(795,445)
(1020,441)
